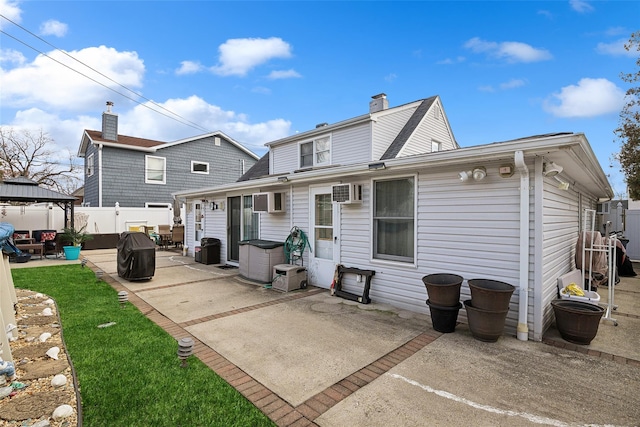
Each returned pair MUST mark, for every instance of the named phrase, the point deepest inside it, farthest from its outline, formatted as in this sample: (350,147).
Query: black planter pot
(577,321)
(490,295)
(444,319)
(443,289)
(485,325)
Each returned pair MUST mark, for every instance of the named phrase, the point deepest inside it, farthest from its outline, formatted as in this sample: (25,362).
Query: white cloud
(616,48)
(12,56)
(513,84)
(53,28)
(450,61)
(284,74)
(589,98)
(239,56)
(144,123)
(189,67)
(581,6)
(47,83)
(11,10)
(546,14)
(509,51)
(390,77)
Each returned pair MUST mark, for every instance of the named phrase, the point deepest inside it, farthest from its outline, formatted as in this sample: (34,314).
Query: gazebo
(25,190)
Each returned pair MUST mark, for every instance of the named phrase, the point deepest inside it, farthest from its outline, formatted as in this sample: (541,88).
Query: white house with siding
(427,206)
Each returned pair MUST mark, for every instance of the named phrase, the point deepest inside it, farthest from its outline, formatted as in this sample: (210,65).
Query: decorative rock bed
(41,397)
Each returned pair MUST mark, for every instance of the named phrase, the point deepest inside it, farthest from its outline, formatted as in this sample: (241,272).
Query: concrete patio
(307,358)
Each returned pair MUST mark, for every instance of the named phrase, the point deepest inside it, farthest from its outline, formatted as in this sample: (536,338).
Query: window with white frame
(155,170)
(435,146)
(89,165)
(199,167)
(316,152)
(394,219)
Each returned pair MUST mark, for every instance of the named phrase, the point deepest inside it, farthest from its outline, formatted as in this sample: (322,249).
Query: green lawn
(129,373)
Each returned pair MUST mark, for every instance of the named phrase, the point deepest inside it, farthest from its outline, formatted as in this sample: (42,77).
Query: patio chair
(22,237)
(48,239)
(177,235)
(164,230)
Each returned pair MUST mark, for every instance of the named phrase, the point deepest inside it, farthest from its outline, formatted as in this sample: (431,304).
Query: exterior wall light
(478,173)
(551,169)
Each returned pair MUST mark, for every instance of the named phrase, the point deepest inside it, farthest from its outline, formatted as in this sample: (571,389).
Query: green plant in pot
(72,239)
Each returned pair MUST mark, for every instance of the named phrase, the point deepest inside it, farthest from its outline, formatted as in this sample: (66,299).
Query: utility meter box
(288,277)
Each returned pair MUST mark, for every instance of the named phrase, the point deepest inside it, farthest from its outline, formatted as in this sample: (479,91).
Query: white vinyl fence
(98,220)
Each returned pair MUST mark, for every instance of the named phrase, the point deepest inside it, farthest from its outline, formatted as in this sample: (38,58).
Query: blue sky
(259,71)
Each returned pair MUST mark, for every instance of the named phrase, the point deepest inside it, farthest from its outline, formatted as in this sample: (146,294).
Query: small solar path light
(99,274)
(185,349)
(123,297)
(84,262)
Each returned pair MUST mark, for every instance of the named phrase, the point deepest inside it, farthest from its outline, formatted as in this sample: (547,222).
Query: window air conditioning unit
(604,208)
(346,193)
(269,202)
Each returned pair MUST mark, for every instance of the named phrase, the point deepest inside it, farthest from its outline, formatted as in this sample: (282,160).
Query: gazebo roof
(22,189)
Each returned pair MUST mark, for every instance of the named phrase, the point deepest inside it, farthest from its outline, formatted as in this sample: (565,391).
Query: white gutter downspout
(523,328)
(100,175)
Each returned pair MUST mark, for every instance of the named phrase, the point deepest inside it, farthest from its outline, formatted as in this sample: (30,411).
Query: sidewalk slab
(204,298)
(457,379)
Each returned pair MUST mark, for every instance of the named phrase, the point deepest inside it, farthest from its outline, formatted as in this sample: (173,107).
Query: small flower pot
(71,252)
(443,289)
(577,321)
(490,295)
(444,319)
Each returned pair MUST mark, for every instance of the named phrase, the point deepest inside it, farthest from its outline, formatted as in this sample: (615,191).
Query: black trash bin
(136,256)
(209,251)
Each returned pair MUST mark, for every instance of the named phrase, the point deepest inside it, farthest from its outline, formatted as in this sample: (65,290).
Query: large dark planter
(444,319)
(577,321)
(443,289)
(485,325)
(490,295)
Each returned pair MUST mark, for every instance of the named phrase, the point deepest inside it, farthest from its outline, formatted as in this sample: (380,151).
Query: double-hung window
(316,152)
(394,219)
(89,163)
(155,170)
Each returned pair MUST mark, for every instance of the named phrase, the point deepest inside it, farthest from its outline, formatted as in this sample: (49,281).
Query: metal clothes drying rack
(609,248)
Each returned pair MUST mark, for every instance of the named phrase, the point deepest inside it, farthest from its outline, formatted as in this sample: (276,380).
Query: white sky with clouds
(504,70)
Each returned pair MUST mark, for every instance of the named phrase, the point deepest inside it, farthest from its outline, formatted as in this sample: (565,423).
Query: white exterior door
(323,237)
(198,222)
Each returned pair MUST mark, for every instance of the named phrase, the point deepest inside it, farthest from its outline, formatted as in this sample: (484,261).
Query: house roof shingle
(125,140)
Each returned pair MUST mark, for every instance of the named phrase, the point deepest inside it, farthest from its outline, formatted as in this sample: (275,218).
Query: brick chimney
(378,102)
(109,124)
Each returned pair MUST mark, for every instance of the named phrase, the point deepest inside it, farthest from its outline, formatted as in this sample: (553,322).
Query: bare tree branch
(34,155)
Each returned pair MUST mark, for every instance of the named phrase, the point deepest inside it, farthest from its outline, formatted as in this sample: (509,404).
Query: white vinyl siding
(155,170)
(430,129)
(352,145)
(387,127)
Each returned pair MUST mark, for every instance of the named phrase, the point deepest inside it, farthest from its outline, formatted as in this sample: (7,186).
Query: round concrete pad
(458,378)
(279,345)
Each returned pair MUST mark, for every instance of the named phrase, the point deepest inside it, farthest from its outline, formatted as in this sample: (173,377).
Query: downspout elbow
(523,307)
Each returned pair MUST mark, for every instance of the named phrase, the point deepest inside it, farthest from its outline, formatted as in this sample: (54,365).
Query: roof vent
(321,125)
(378,102)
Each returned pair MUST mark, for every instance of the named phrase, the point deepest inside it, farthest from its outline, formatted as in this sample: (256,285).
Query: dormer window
(316,152)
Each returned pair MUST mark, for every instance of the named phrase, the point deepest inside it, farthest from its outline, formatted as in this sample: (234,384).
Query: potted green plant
(72,240)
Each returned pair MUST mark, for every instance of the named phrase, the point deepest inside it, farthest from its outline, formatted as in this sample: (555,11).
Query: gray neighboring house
(138,172)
